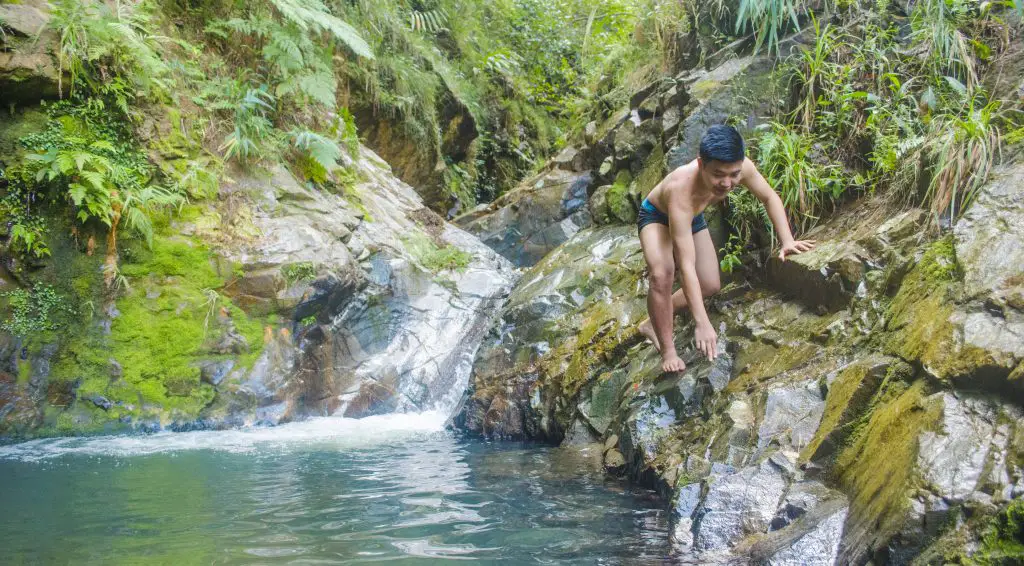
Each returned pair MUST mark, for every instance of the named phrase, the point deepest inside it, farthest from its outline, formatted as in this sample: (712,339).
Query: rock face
(535,218)
(28,69)
(372,304)
(866,399)
(421,163)
(386,330)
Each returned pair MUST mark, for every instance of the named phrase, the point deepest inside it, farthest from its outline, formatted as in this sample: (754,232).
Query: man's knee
(661,278)
(710,288)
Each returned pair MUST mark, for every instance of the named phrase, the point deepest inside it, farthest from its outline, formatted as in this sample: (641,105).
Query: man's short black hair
(721,143)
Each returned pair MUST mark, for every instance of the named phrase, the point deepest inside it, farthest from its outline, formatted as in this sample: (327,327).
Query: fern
(431,21)
(313,14)
(322,153)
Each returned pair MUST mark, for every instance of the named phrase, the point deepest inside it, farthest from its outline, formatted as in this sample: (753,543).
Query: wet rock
(214,372)
(827,276)
(614,461)
(819,546)
(567,159)
(850,390)
(644,429)
(100,401)
(738,504)
(28,71)
(990,239)
(531,220)
(966,456)
(579,434)
(791,416)
(687,500)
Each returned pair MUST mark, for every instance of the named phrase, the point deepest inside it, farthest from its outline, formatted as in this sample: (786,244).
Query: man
(674,235)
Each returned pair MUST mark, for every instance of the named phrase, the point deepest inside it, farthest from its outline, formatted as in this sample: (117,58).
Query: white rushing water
(329,433)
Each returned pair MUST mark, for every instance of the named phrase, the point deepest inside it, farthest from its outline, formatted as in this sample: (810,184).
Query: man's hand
(707,341)
(672,362)
(795,247)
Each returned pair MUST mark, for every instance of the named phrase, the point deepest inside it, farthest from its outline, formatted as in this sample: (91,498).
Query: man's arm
(680,219)
(757,184)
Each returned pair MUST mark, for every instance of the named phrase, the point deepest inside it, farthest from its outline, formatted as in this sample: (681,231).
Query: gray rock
(990,239)
(534,218)
(687,499)
(957,461)
(579,434)
(739,504)
(820,547)
(791,416)
(214,372)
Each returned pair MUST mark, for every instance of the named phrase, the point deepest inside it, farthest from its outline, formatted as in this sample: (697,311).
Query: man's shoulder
(682,177)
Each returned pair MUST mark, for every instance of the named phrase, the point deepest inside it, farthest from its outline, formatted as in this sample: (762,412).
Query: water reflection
(415,500)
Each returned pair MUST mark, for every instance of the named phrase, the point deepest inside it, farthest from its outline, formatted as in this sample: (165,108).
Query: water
(391,489)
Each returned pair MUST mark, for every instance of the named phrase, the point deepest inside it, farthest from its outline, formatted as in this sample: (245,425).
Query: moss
(877,469)
(652,173)
(919,317)
(434,258)
(762,362)
(1003,540)
(168,320)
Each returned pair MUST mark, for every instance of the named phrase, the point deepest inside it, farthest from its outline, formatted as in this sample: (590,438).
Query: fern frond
(313,14)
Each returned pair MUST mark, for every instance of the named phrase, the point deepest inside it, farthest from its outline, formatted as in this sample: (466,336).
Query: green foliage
(731,253)
(769,19)
(252,131)
(110,50)
(299,272)
(31,311)
(434,258)
(962,148)
(937,30)
(793,165)
(90,159)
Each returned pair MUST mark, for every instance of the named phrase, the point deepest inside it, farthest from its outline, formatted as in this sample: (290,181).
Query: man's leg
(708,274)
(656,242)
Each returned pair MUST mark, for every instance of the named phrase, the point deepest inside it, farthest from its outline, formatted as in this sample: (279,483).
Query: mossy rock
(878,467)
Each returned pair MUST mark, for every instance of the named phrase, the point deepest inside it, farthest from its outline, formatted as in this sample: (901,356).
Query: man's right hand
(707,341)
(672,362)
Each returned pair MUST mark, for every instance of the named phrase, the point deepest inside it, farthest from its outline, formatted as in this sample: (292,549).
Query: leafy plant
(790,163)
(32,311)
(768,19)
(731,253)
(434,258)
(962,149)
(252,127)
(299,272)
(318,155)
(109,49)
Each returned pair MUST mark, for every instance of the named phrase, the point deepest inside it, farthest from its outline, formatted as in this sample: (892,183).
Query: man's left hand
(795,247)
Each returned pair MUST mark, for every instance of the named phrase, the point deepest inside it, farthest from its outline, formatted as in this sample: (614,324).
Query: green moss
(168,321)
(762,362)
(919,317)
(877,469)
(1003,541)
(652,173)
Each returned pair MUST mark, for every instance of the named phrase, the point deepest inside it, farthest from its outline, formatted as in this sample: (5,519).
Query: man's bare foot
(647,329)
(672,362)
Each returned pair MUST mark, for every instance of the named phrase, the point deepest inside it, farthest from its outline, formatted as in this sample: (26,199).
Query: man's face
(721,177)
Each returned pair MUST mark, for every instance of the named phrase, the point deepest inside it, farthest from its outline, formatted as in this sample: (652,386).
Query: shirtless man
(680,238)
